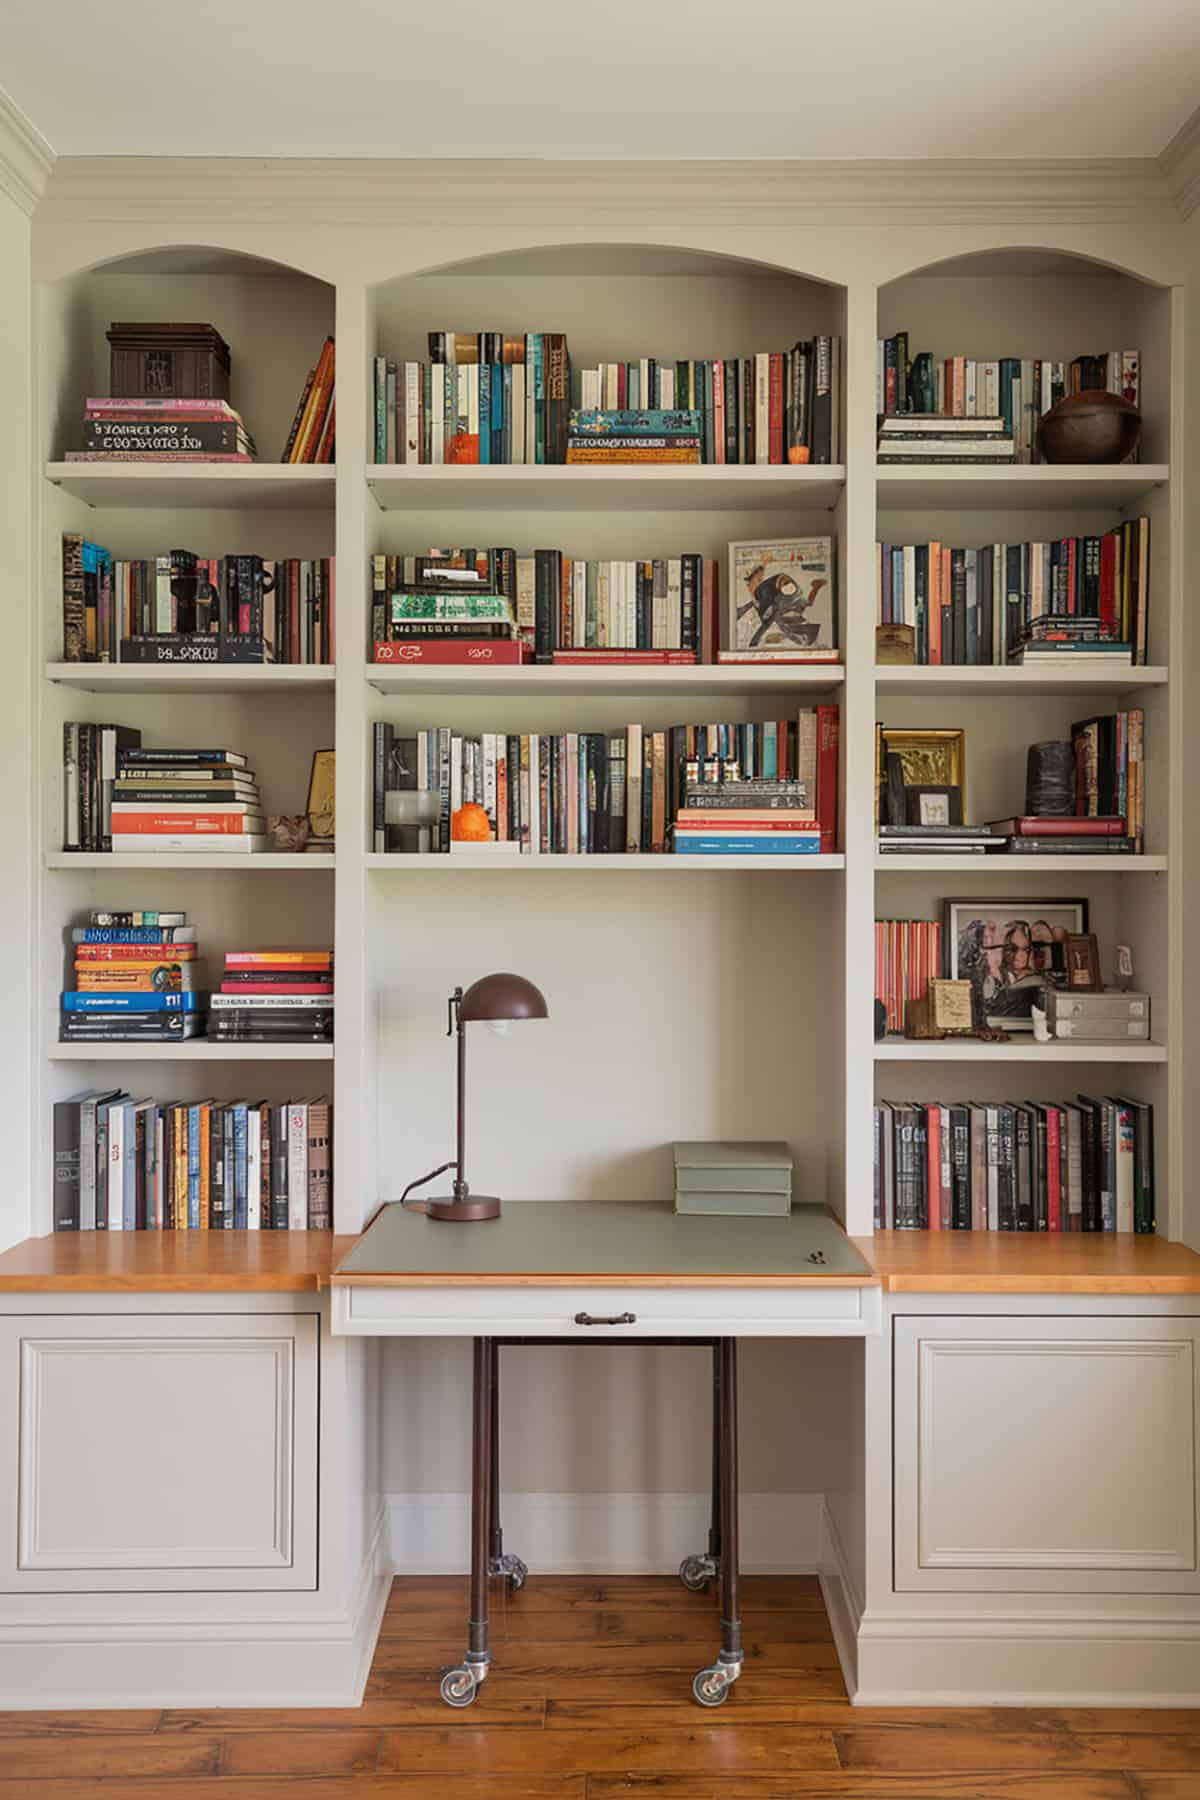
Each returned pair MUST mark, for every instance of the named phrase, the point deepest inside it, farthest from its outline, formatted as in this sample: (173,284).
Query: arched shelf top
(624,259)
(192,260)
(1034,262)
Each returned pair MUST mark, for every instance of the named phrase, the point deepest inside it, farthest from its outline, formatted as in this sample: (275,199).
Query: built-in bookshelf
(722,1000)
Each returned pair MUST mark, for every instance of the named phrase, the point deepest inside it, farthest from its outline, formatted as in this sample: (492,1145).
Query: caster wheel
(517,1578)
(696,1572)
(512,1569)
(710,1687)
(459,1687)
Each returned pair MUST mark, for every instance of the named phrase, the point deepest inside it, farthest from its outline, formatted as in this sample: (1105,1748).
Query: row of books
(119,796)
(182,608)
(312,436)
(132,983)
(908,954)
(601,792)
(489,398)
(274,997)
(1062,602)
(551,604)
(1110,771)
(1018,390)
(1087,1165)
(141,429)
(128,1164)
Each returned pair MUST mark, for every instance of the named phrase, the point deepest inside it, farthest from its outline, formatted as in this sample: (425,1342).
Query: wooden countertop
(904,1262)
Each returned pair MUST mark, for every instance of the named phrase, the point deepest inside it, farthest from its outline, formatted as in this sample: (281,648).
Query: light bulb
(499,1026)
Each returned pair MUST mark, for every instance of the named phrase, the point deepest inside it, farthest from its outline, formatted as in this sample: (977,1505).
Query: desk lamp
(492,1000)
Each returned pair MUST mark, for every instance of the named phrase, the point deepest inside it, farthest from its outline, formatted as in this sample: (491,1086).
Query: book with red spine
(277,987)
(933,1168)
(1061,827)
(828,743)
(279,959)
(187,824)
(591,658)
(775,406)
(1054,1215)
(449,653)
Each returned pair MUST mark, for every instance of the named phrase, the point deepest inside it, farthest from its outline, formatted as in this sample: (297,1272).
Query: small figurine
(289,831)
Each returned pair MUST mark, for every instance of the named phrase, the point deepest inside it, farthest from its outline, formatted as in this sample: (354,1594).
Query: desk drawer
(813,1310)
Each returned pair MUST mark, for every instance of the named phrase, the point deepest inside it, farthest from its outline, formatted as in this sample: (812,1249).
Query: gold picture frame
(932,757)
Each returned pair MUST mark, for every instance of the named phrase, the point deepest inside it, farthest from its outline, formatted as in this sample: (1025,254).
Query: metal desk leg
(696,1572)
(510,1567)
(460,1685)
(711,1685)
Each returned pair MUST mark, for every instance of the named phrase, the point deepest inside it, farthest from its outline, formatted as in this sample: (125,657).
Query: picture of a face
(1008,956)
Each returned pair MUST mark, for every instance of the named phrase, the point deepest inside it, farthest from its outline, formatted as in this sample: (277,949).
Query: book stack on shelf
(1013,392)
(746,818)
(274,997)
(1062,603)
(589,793)
(935,438)
(186,800)
(629,437)
(163,431)
(123,1164)
(487,398)
(133,980)
(738,1180)
(1036,1166)
(182,608)
(908,954)
(311,438)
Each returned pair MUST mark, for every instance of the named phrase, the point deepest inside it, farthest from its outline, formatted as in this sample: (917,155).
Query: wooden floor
(589,1699)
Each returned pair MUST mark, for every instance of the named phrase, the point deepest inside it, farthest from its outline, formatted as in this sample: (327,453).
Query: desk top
(1021,1262)
(173,1262)
(630,1242)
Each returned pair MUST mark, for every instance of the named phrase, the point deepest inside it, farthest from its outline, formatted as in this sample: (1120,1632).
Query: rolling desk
(561,1273)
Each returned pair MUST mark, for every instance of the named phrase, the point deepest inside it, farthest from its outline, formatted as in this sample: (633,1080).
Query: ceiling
(609,79)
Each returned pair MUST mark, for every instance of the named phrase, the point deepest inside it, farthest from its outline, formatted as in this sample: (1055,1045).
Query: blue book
(133,934)
(535,377)
(506,415)
(133,1003)
(496,420)
(628,422)
(756,843)
(485,412)
(193,1168)
(240,1166)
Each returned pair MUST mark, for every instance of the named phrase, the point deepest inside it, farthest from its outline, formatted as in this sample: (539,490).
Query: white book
(908,617)
(489,778)
(589,390)
(411,452)
(762,406)
(297,1154)
(674,604)
(579,570)
(119,1114)
(666,384)
(973,409)
(208,843)
(611,386)
(1074,1201)
(437,415)
(471,372)
(254,1167)
(645,397)
(993,1168)
(224,808)
(603,603)
(633,787)
(526,591)
(517,450)
(456,773)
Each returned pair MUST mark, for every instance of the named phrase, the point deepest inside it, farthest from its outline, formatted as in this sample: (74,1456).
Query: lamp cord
(440,1170)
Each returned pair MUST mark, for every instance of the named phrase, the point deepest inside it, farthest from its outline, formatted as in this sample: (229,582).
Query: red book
(933,1167)
(277,987)
(447,652)
(1054,1219)
(589,658)
(828,740)
(775,403)
(135,953)
(1108,580)
(186,824)
(1074,827)
(279,959)
(723,821)
(718,389)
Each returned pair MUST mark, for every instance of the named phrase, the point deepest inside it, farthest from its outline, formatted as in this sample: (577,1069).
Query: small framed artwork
(933,806)
(782,601)
(1083,963)
(936,757)
(1007,950)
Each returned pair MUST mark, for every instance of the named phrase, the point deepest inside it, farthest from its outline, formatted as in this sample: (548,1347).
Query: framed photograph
(1007,950)
(782,600)
(933,806)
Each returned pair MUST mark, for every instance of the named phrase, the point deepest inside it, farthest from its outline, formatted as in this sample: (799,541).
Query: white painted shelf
(191,678)
(610,678)
(1106,487)
(617,489)
(269,485)
(1022,1048)
(985,682)
(191,1050)
(270,862)
(629,865)
(1023,865)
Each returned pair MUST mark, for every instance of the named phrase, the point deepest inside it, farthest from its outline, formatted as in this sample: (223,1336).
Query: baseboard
(843,1601)
(271,1663)
(1075,1663)
(604,1534)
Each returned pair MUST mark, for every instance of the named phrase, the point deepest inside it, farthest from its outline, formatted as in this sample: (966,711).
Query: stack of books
(1119,1017)
(1072,597)
(937,840)
(937,438)
(311,438)
(908,955)
(173,431)
(746,818)
(740,1180)
(274,997)
(1110,775)
(1016,390)
(189,800)
(184,608)
(453,606)
(122,1164)
(627,436)
(133,980)
(1033,836)
(1035,1166)
(487,398)
(587,793)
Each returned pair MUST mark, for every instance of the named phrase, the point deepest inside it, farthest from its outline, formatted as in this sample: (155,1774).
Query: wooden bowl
(1092,427)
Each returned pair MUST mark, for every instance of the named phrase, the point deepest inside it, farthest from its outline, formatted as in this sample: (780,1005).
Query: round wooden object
(1092,427)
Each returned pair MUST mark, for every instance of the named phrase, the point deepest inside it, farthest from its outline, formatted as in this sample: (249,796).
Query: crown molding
(1180,163)
(26,159)
(356,192)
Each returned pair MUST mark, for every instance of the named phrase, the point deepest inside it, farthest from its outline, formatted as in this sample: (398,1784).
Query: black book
(1006,1169)
(66,1164)
(615,787)
(216,1170)
(960,1168)
(1024,1153)
(279,1169)
(547,592)
(1039,1167)
(692,586)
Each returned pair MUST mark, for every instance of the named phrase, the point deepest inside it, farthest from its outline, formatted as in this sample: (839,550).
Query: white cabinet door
(1046,1455)
(159,1452)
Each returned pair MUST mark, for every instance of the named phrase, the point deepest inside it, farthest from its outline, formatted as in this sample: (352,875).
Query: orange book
(318,401)
(286,959)
(189,824)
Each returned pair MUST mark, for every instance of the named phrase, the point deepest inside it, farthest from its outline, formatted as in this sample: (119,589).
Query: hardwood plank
(299,1752)
(852,1786)
(685,1625)
(621,1683)
(633,1702)
(760,1593)
(287,1787)
(971,1262)
(409,1699)
(917,1746)
(568,1752)
(1166,1787)
(538,1657)
(109,1755)
(75,1724)
(172,1262)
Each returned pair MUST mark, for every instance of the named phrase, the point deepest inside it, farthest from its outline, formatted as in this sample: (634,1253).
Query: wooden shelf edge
(1005,1262)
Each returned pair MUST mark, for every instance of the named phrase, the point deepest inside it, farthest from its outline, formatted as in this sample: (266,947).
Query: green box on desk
(753,1179)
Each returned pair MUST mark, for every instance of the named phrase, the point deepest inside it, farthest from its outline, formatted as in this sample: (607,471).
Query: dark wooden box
(168,362)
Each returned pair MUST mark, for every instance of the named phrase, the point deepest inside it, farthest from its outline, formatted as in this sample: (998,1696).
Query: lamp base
(479,1206)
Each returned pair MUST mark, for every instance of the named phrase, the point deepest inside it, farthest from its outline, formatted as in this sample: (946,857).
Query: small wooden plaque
(895,644)
(950,1005)
(1083,963)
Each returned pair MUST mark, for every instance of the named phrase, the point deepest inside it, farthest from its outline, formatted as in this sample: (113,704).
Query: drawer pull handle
(616,1319)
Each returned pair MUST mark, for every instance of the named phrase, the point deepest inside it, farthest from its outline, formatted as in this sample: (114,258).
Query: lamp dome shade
(502,997)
